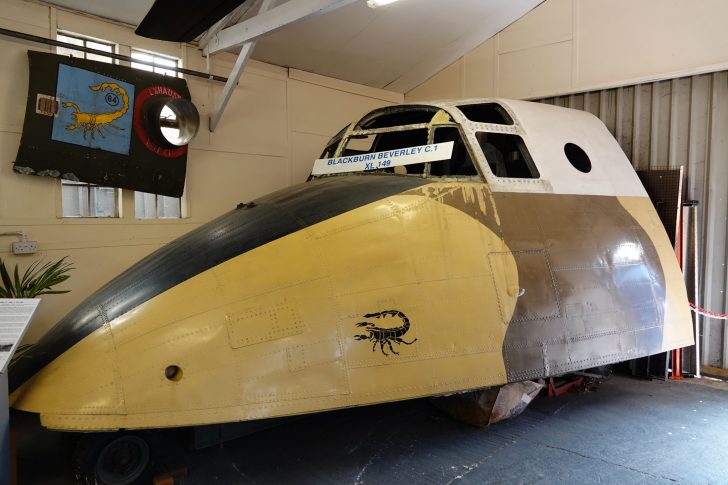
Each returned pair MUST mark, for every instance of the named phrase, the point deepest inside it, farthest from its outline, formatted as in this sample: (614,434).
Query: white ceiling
(395,47)
(132,12)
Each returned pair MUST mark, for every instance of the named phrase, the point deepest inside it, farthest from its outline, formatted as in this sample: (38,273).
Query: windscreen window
(330,149)
(392,140)
(486,113)
(460,164)
(397,116)
(507,155)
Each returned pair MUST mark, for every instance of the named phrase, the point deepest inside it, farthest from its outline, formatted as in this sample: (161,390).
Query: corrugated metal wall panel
(673,123)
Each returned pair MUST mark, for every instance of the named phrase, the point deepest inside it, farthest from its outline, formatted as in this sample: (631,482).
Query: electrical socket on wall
(25,247)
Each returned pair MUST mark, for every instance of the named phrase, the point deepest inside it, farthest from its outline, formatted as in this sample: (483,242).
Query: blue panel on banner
(96,110)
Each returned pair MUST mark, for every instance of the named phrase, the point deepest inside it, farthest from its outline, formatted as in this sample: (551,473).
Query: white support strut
(270,21)
(235,74)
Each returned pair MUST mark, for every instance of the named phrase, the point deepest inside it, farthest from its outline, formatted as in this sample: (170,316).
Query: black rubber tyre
(121,458)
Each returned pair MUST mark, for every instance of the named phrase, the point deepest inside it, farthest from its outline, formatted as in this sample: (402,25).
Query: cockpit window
(388,141)
(330,150)
(507,155)
(397,116)
(406,140)
(486,113)
(457,163)
(460,164)
(333,143)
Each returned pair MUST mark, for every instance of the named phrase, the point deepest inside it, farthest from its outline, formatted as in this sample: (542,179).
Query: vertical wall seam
(654,126)
(673,126)
(619,118)
(636,107)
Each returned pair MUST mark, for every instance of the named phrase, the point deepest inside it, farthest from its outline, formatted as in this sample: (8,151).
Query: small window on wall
(153,206)
(98,45)
(80,199)
(507,155)
(153,62)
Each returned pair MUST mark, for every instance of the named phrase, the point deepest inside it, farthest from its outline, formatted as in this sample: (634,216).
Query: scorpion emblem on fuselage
(382,336)
(93,122)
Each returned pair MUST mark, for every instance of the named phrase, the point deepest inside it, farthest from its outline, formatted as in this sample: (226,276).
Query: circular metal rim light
(186,121)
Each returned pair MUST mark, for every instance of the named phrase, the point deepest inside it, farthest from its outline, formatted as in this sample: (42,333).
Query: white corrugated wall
(673,123)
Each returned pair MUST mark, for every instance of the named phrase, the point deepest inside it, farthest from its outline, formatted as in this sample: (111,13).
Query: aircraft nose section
(247,227)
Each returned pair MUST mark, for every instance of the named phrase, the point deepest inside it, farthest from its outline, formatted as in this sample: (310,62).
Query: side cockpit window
(486,113)
(507,155)
(330,150)
(460,163)
(333,144)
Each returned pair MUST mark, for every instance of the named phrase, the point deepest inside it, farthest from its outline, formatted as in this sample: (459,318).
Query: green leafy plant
(37,280)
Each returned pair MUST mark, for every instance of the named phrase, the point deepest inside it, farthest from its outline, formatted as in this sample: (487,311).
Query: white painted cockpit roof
(546,130)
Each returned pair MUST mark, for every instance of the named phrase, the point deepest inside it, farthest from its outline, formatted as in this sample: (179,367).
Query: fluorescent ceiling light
(379,3)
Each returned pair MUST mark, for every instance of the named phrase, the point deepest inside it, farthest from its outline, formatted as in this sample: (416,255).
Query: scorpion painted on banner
(91,122)
(381,336)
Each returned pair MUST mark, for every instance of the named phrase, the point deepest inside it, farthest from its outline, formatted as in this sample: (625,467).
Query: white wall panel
(479,71)
(601,44)
(627,40)
(446,84)
(548,71)
(13,78)
(550,23)
(324,111)
(305,149)
(264,133)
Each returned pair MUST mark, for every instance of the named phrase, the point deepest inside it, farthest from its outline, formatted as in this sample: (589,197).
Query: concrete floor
(626,431)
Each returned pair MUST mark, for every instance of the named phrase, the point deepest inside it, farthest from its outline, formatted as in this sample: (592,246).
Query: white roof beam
(270,21)
(231,18)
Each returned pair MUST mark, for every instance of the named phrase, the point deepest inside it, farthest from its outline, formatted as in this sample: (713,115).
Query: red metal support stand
(555,390)
(676,374)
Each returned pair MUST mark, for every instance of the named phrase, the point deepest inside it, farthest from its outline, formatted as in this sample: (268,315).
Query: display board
(15,315)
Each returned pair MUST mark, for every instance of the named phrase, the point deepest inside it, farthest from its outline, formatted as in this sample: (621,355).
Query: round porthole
(173,373)
(577,157)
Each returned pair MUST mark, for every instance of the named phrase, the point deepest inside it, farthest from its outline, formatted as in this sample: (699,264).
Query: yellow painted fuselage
(366,288)
(272,331)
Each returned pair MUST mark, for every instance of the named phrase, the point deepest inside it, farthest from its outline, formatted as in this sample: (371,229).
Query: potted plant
(16,296)
(37,280)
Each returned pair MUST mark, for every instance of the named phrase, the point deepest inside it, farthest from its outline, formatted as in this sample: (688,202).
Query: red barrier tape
(707,313)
